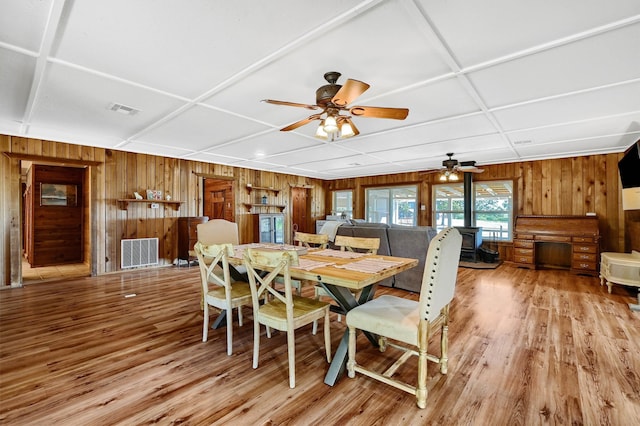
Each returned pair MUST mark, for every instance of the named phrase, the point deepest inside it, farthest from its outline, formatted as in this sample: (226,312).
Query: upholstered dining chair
(218,231)
(284,312)
(411,322)
(359,244)
(225,294)
(221,231)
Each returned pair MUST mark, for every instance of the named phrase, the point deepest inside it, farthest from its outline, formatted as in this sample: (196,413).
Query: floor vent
(138,252)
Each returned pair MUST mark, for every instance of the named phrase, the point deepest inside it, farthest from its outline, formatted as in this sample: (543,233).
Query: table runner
(370,266)
(339,253)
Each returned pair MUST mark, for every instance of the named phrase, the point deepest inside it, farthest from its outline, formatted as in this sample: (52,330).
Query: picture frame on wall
(54,194)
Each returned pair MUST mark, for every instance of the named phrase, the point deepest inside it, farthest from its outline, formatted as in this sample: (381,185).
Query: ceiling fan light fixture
(330,124)
(453,176)
(346,131)
(320,132)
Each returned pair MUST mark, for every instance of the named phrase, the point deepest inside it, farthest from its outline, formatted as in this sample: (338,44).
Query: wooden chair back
(218,231)
(362,244)
(311,240)
(262,287)
(209,256)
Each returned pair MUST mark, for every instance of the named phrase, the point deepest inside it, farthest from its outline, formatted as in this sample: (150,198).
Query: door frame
(11,188)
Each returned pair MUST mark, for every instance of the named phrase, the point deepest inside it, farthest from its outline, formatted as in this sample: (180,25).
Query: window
(492,207)
(343,203)
(393,205)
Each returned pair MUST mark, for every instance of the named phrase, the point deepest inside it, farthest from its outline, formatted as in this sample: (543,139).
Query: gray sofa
(396,240)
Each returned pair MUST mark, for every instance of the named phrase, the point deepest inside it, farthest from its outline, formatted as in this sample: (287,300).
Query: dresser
(188,234)
(571,242)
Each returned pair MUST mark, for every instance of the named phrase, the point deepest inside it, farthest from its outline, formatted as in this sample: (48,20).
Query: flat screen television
(629,167)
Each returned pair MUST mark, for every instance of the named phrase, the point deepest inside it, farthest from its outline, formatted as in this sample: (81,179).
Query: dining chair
(311,240)
(359,244)
(222,231)
(284,312)
(411,322)
(214,269)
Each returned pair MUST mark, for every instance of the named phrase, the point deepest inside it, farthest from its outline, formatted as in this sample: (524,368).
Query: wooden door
(56,216)
(218,199)
(300,208)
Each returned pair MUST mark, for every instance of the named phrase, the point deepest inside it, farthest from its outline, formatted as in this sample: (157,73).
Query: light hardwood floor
(526,347)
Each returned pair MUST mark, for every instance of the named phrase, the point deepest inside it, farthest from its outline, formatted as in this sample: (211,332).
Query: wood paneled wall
(117,175)
(566,186)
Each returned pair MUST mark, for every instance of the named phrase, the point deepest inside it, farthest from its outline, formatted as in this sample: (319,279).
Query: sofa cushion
(412,242)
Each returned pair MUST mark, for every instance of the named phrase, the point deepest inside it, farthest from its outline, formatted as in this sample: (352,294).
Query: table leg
(346,301)
(221,321)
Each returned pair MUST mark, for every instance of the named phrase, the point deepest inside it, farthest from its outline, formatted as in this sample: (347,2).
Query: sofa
(396,240)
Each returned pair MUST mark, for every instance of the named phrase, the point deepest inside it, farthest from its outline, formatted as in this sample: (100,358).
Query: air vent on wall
(122,109)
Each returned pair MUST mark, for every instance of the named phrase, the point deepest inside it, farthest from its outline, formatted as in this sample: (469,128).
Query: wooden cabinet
(579,234)
(188,234)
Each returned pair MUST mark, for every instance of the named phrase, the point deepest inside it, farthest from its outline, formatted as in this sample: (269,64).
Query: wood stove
(471,241)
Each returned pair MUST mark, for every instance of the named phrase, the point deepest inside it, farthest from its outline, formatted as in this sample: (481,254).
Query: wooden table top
(335,270)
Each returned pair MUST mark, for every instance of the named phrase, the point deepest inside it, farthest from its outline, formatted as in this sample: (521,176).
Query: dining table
(350,278)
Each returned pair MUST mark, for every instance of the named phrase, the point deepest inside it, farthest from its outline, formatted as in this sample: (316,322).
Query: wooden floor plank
(526,347)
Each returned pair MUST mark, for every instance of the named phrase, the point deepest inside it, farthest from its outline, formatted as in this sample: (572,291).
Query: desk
(338,282)
(578,234)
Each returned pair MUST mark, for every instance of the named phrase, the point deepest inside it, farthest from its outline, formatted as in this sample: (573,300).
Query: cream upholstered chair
(221,231)
(284,312)
(218,231)
(360,244)
(225,294)
(411,322)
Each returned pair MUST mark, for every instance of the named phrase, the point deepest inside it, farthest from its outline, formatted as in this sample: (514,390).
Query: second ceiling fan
(334,98)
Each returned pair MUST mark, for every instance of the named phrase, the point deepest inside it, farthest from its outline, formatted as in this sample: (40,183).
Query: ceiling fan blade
(470,169)
(301,123)
(379,112)
(348,92)
(293,104)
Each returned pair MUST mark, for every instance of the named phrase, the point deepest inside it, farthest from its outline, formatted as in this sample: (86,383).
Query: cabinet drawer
(582,257)
(582,240)
(585,248)
(523,244)
(523,259)
(523,252)
(554,238)
(525,236)
(584,265)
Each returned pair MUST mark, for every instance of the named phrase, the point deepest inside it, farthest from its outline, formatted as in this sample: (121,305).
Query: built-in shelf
(124,203)
(262,188)
(249,206)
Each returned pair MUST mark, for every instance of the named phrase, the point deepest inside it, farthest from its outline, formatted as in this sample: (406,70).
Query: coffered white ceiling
(493,81)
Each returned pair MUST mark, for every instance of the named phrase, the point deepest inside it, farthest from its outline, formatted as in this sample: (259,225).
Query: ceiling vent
(122,109)
(523,142)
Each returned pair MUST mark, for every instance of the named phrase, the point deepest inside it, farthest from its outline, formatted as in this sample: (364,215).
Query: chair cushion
(240,292)
(305,310)
(390,316)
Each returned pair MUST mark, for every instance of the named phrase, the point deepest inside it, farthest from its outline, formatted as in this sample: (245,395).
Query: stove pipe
(467,198)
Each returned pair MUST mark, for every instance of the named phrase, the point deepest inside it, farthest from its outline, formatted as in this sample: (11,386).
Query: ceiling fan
(333,98)
(451,167)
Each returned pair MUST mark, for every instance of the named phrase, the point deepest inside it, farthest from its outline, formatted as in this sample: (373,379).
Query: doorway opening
(218,199)
(55,221)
